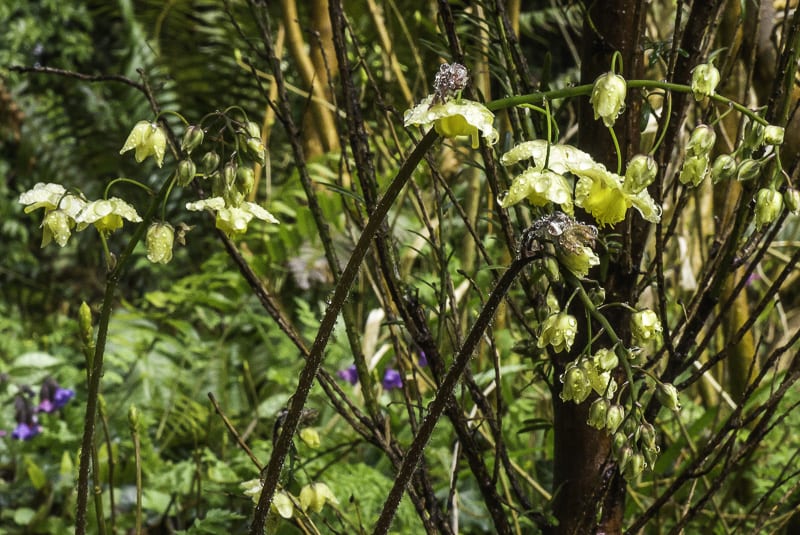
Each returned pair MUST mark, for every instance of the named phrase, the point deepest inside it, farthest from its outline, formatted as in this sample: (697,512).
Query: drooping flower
(539,187)
(600,193)
(61,209)
(769,204)
(608,97)
(314,496)
(53,396)
(232,219)
(348,374)
(26,431)
(558,330)
(147,139)
(645,326)
(454,118)
(705,79)
(422,359)
(392,379)
(27,423)
(773,135)
(159,241)
(576,384)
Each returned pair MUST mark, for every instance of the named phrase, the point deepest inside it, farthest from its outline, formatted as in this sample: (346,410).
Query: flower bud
(209,162)
(146,139)
(792,199)
(192,138)
(597,295)
(705,79)
(640,173)
(619,441)
(724,168)
(701,141)
(614,417)
(769,204)
(748,170)
(694,169)
(159,241)
(647,434)
(57,226)
(651,455)
(310,437)
(252,129)
(608,97)
(598,411)
(623,457)
(229,174)
(245,179)
(667,395)
(645,326)
(133,418)
(85,324)
(754,135)
(185,172)
(606,359)
(256,149)
(559,331)
(576,385)
(773,135)
(634,467)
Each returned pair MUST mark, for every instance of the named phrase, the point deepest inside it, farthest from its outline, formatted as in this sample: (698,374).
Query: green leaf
(36,359)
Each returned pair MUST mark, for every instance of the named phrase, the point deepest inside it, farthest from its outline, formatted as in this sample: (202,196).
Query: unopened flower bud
(647,434)
(256,149)
(85,324)
(754,135)
(598,411)
(252,129)
(640,173)
(667,395)
(773,135)
(608,97)
(624,456)
(634,467)
(159,241)
(724,168)
(192,138)
(209,162)
(310,437)
(606,359)
(618,442)
(229,174)
(185,172)
(645,326)
(576,385)
(769,204)
(614,417)
(792,199)
(133,418)
(701,141)
(694,169)
(705,79)
(651,455)
(597,295)
(748,170)
(245,179)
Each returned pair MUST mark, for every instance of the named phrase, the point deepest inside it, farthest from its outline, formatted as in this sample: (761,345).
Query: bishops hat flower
(147,139)
(107,215)
(232,220)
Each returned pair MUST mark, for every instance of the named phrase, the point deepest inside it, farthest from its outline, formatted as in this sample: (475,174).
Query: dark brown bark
(589,492)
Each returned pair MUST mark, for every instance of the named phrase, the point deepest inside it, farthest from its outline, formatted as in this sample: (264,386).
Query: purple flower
(422,359)
(25,431)
(392,379)
(52,396)
(348,374)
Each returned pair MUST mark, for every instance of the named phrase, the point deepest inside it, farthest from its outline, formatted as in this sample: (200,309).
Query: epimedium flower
(645,326)
(608,97)
(454,118)
(705,79)
(558,330)
(769,204)
(232,219)
(147,139)
(392,379)
(314,496)
(61,209)
(600,192)
(159,241)
(576,384)
(107,214)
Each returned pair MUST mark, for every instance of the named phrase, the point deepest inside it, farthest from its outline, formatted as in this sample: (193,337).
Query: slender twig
(234,433)
(93,78)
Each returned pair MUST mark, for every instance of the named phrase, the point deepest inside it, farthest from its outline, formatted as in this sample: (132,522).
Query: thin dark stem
(317,352)
(444,393)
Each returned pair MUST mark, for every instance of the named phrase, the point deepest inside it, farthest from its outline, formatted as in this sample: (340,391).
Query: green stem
(616,148)
(148,189)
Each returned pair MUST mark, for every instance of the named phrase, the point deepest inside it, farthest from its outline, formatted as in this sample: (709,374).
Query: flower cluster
(605,195)
(313,497)
(64,211)
(52,397)
(391,378)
